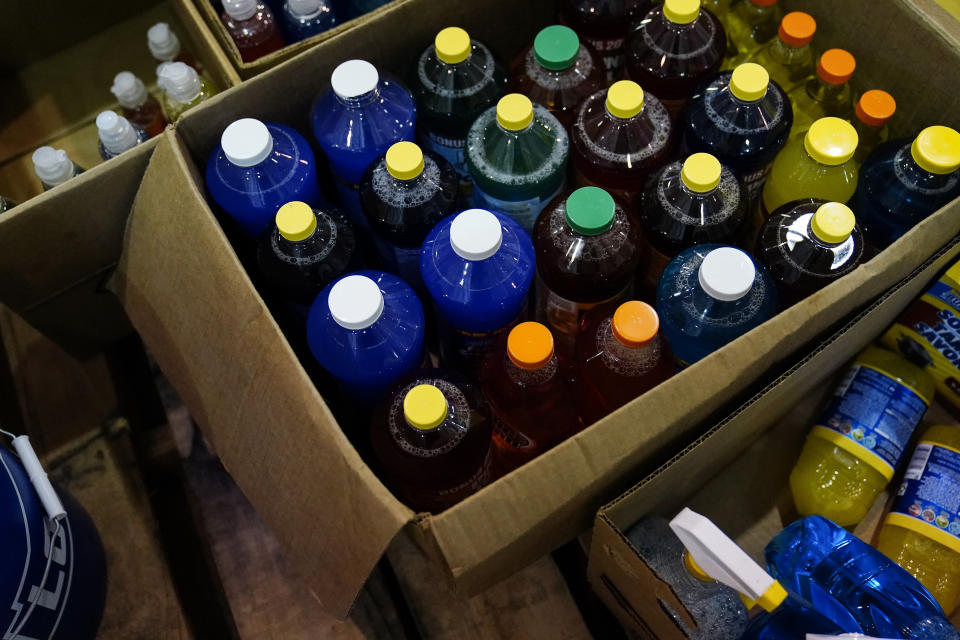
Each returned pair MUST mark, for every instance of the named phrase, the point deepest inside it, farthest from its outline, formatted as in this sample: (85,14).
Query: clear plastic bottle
(903,182)
(676,47)
(139,107)
(826,94)
(357,121)
(620,355)
(477,266)
(604,25)
(873,112)
(302,19)
(807,244)
(6,204)
(117,135)
(253,28)
(789,58)
(619,138)
(431,434)
(710,295)
(750,25)
(517,156)
(182,87)
(456,80)
(404,194)
(53,167)
(257,168)
(165,46)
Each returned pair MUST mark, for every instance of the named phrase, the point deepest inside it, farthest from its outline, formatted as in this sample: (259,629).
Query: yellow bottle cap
(425,407)
(831,141)
(514,112)
(749,82)
(404,160)
(452,45)
(695,569)
(773,597)
(530,345)
(624,99)
(833,222)
(296,221)
(701,172)
(937,149)
(681,11)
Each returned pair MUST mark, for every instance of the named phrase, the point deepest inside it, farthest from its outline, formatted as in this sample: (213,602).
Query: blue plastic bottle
(302,19)
(477,266)
(367,330)
(257,168)
(853,583)
(710,295)
(356,121)
(792,620)
(902,183)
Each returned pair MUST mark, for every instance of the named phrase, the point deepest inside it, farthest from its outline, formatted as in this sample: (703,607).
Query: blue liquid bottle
(367,330)
(356,121)
(710,295)
(302,19)
(477,266)
(853,583)
(903,183)
(257,168)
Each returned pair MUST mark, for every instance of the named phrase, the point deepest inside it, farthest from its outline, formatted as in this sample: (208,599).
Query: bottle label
(564,315)
(753,183)
(612,52)
(454,151)
(872,416)
(402,261)
(525,212)
(477,481)
(466,350)
(928,501)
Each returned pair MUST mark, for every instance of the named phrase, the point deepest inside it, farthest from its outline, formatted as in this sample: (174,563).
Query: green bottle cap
(556,47)
(590,211)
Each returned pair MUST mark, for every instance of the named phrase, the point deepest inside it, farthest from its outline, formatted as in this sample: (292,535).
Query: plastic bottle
(854,584)
(710,295)
(922,529)
(826,94)
(687,203)
(456,80)
(139,107)
(807,244)
(620,136)
(53,167)
(257,168)
(431,435)
(744,120)
(587,254)
(357,121)
(676,47)
(477,266)
(854,449)
(182,87)
(302,19)
(789,58)
(6,204)
(405,193)
(367,330)
(873,112)
(750,25)
(604,25)
(117,135)
(517,156)
(253,28)
(905,182)
(557,71)
(165,46)
(531,397)
(620,355)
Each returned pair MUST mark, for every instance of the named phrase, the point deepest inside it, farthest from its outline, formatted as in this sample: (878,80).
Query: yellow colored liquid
(869,138)
(173,109)
(815,99)
(749,27)
(788,66)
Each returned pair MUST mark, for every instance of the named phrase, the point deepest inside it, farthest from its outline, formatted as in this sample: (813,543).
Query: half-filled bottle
(117,135)
(53,167)
(253,28)
(789,58)
(872,115)
(183,88)
(828,93)
(139,107)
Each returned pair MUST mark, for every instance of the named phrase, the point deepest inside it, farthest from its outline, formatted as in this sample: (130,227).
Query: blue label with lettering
(931,488)
(944,292)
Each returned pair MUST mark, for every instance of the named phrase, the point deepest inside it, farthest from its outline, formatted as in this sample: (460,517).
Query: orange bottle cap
(875,107)
(530,345)
(635,324)
(836,66)
(797,28)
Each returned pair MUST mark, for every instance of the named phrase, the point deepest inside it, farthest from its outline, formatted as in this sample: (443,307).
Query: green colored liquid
(788,66)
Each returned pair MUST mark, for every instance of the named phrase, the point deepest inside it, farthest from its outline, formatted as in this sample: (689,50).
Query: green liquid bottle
(788,58)
(873,111)
(183,88)
(750,25)
(826,94)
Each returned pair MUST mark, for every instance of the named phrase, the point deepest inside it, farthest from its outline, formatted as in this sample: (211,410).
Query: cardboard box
(742,488)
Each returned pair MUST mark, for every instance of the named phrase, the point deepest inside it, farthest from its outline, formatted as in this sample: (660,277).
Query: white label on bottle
(564,315)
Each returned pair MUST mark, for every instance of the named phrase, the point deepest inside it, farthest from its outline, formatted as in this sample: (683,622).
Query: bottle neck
(360,101)
(912,174)
(822,91)
(708,306)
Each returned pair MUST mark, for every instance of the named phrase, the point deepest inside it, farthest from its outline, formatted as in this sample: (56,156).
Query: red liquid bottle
(676,47)
(557,71)
(605,25)
(531,399)
(253,28)
(620,355)
(431,434)
(139,107)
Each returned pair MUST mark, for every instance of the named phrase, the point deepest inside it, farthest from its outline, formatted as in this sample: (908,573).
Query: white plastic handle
(38,477)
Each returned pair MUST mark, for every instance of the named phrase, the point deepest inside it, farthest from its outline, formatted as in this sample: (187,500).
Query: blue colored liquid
(252,195)
(296,28)
(356,8)
(853,583)
(894,193)
(792,620)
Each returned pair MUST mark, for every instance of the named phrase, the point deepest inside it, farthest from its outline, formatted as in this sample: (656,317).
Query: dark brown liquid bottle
(605,25)
(139,107)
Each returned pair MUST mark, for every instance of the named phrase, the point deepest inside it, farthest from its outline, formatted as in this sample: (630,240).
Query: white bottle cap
(355,302)
(179,80)
(246,142)
(476,234)
(240,9)
(129,90)
(38,478)
(727,274)
(304,8)
(52,166)
(163,42)
(354,78)
(116,133)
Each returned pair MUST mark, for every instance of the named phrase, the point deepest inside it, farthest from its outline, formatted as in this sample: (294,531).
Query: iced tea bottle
(587,254)
(604,24)
(807,244)
(557,71)
(620,136)
(183,88)
(620,355)
(431,435)
(139,107)
(789,58)
(253,28)
(531,397)
(873,113)
(750,25)
(676,47)
(117,135)
(826,94)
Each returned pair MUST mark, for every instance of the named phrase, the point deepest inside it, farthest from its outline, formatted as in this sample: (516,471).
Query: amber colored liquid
(148,116)
(256,36)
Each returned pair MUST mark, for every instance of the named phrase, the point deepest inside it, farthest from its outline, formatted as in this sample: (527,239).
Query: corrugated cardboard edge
(208,50)
(335,517)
